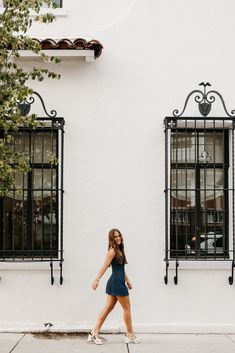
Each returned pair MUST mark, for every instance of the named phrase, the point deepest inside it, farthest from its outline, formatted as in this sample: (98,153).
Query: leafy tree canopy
(15,21)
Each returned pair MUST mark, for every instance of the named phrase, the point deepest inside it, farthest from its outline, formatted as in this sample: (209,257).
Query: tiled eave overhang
(68,44)
(64,48)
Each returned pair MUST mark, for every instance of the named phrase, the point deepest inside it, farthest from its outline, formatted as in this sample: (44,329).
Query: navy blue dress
(116,283)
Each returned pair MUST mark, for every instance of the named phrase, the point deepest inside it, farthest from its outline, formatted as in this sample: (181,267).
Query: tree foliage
(15,21)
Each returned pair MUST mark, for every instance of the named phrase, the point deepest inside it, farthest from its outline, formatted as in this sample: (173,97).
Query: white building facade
(154,54)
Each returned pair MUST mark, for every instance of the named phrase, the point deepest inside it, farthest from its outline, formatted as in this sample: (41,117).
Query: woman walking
(116,289)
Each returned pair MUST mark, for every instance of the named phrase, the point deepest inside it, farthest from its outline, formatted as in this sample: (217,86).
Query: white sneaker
(94,338)
(132,339)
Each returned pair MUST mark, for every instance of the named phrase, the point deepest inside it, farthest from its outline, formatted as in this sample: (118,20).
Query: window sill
(56,12)
(201,265)
(29,266)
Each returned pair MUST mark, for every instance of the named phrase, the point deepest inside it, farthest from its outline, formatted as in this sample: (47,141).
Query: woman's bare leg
(110,304)
(126,305)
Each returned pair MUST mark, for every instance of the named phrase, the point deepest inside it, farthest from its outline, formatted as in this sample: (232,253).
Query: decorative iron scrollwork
(25,106)
(205,158)
(204,100)
(230,279)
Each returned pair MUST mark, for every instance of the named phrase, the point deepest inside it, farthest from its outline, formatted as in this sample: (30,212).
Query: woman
(116,288)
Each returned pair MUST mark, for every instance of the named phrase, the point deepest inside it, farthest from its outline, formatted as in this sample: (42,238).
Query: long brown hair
(119,249)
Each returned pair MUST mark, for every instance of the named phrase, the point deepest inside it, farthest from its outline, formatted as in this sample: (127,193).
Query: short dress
(116,283)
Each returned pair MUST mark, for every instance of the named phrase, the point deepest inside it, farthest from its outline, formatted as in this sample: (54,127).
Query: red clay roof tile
(76,44)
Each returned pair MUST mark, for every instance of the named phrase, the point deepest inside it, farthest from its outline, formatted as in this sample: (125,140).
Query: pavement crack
(17,343)
(127,346)
(230,338)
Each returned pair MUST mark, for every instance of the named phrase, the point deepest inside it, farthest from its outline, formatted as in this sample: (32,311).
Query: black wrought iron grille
(31,214)
(199,193)
(199,179)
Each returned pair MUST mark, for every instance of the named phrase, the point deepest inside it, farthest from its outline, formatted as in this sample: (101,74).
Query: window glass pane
(212,211)
(199,200)
(183,210)
(183,147)
(43,179)
(45,221)
(184,181)
(212,178)
(210,147)
(20,142)
(44,147)
(15,216)
(29,211)
(45,209)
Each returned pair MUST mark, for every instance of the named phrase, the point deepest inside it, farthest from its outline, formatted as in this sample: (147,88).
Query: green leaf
(15,21)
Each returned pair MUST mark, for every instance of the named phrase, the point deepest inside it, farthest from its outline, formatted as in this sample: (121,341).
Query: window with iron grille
(198,193)
(31,214)
(199,188)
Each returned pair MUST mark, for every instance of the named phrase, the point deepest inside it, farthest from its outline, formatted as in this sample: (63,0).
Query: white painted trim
(28,266)
(87,54)
(201,265)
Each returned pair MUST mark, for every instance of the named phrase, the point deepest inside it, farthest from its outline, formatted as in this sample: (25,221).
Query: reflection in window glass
(212,144)
(29,212)
(199,197)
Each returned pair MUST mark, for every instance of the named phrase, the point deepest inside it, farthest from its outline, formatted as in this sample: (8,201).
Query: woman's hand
(95,284)
(129,285)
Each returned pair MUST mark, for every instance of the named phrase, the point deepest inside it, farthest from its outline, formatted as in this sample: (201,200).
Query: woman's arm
(128,282)
(108,260)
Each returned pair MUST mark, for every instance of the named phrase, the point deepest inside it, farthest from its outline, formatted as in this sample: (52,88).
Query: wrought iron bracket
(61,273)
(52,273)
(230,279)
(25,106)
(166,276)
(52,276)
(176,272)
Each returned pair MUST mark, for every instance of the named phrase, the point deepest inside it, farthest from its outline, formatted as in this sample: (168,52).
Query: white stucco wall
(155,52)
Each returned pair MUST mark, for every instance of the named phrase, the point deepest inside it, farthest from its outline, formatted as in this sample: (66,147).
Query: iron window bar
(199,183)
(31,214)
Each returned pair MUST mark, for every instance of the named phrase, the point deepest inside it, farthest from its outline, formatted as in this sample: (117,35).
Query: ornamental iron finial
(204,100)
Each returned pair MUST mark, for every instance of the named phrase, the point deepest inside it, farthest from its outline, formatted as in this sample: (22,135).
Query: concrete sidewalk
(151,343)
